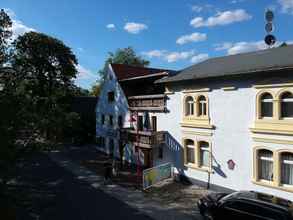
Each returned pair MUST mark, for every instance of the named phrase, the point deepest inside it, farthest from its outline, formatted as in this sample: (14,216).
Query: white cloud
(236,1)
(200,57)
(18,28)
(221,18)
(135,28)
(194,37)
(172,56)
(10,13)
(84,74)
(197,8)
(242,47)
(111,26)
(202,8)
(286,6)
(155,53)
(176,56)
(223,46)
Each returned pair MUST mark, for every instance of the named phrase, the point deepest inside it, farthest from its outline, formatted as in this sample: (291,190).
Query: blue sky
(170,33)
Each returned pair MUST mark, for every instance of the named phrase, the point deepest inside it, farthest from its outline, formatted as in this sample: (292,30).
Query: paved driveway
(50,192)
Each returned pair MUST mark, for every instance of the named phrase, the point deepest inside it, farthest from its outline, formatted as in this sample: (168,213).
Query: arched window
(287,168)
(287,105)
(189,106)
(202,106)
(265,165)
(204,153)
(190,151)
(266,105)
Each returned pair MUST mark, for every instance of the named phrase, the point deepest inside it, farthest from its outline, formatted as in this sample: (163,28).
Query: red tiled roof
(123,71)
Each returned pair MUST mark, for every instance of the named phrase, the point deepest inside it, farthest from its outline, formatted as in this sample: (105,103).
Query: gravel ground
(176,195)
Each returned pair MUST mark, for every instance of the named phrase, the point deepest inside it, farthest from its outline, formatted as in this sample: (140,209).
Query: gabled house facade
(233,119)
(127,113)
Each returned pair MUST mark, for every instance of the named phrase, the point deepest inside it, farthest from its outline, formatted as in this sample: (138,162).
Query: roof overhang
(234,74)
(145,76)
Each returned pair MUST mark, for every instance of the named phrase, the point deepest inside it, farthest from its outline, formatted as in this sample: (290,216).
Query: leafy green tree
(95,90)
(5,35)
(124,56)
(8,105)
(47,68)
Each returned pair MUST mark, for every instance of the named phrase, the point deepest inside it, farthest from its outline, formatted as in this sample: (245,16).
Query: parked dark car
(246,205)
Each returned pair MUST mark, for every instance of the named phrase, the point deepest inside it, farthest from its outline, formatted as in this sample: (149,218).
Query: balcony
(147,103)
(146,139)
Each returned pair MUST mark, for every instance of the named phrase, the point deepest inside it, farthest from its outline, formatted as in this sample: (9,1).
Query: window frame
(259,160)
(195,120)
(194,151)
(280,100)
(197,158)
(280,164)
(202,106)
(200,162)
(261,105)
(189,109)
(277,166)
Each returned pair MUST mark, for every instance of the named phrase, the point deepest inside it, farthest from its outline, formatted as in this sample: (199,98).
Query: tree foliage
(5,34)
(95,90)
(124,56)
(46,69)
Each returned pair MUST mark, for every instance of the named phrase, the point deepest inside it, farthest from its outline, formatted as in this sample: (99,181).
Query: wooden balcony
(146,139)
(147,103)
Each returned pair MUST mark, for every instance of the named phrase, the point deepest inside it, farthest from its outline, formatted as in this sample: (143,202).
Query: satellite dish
(269,27)
(270,39)
(269,15)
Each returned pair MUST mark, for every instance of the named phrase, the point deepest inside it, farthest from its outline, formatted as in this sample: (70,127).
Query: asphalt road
(50,192)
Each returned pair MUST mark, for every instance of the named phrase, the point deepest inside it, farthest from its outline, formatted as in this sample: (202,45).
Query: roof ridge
(141,67)
(238,54)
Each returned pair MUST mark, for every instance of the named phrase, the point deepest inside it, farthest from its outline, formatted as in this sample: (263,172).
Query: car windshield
(227,197)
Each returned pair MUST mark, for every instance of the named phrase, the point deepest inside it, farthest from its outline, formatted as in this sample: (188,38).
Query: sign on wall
(156,174)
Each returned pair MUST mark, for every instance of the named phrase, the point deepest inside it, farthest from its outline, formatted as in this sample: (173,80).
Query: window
(111,120)
(190,151)
(120,121)
(287,168)
(154,123)
(111,147)
(267,162)
(111,96)
(160,153)
(102,142)
(202,106)
(265,165)
(189,106)
(287,105)
(140,123)
(204,154)
(103,119)
(266,105)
